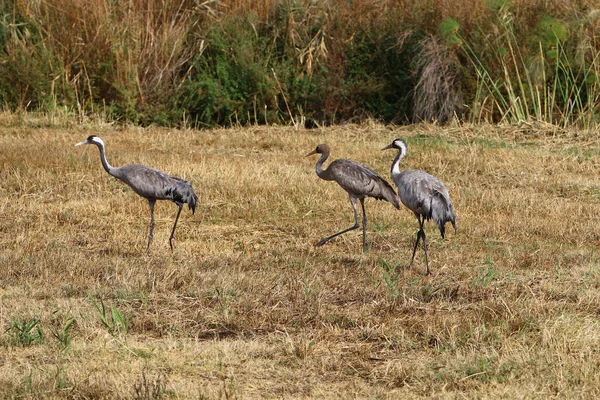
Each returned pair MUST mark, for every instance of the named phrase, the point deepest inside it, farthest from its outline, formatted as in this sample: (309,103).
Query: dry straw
(246,307)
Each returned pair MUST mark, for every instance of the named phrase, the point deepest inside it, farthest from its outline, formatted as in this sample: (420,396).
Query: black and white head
(320,149)
(398,144)
(92,139)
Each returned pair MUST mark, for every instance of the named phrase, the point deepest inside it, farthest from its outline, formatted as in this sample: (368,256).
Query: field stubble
(246,306)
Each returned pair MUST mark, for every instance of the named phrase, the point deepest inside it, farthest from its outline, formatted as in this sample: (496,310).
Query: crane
(359,181)
(151,184)
(425,195)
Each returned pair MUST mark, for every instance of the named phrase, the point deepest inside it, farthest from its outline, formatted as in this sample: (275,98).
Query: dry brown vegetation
(246,307)
(188,63)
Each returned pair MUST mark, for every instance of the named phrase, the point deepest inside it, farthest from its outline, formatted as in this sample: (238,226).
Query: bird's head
(320,149)
(397,144)
(92,139)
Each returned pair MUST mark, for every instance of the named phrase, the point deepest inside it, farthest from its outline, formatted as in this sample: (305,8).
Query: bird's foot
(172,243)
(320,243)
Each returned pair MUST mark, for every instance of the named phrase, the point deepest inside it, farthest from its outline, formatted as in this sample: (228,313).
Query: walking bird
(423,194)
(151,184)
(359,181)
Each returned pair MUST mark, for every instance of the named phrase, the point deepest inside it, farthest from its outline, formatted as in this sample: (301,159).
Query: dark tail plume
(183,193)
(442,212)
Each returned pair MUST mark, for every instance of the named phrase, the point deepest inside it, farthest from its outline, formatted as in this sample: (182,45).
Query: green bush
(231,81)
(334,61)
(25,63)
(378,77)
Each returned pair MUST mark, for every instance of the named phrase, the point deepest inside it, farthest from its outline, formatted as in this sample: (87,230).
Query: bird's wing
(155,184)
(415,188)
(145,181)
(426,195)
(362,181)
(442,210)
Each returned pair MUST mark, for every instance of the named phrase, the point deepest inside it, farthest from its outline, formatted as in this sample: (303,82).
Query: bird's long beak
(80,143)
(311,153)
(389,146)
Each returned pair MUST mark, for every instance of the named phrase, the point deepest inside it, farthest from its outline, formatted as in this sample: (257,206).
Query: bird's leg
(425,249)
(364,223)
(415,249)
(151,203)
(326,239)
(419,233)
(172,237)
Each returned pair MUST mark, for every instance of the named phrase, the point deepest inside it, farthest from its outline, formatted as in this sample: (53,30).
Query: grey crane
(423,194)
(151,184)
(359,181)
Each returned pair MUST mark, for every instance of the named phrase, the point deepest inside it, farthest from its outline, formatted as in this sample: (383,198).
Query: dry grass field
(246,307)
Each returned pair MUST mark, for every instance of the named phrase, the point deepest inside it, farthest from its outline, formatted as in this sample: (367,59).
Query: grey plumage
(151,184)
(424,194)
(359,181)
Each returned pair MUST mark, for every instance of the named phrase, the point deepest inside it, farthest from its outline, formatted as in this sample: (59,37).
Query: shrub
(236,62)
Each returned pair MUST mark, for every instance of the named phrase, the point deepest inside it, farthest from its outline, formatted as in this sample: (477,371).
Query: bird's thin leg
(172,237)
(418,238)
(425,249)
(364,223)
(326,239)
(151,203)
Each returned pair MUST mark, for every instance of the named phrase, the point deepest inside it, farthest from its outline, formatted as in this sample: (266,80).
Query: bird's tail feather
(442,211)
(191,201)
(184,194)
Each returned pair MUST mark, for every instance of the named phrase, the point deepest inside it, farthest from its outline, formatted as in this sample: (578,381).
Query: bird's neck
(321,173)
(396,164)
(110,169)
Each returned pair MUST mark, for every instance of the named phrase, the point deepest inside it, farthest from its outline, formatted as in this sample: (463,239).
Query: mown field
(246,307)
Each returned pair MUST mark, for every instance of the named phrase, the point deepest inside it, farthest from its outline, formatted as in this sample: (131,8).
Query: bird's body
(424,194)
(358,181)
(151,184)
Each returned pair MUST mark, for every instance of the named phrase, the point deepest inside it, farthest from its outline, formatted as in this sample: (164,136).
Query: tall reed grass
(551,78)
(236,62)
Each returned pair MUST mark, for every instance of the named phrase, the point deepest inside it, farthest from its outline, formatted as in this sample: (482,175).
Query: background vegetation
(230,62)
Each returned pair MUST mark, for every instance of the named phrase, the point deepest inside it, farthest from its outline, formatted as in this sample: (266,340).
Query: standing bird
(359,181)
(151,184)
(423,194)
